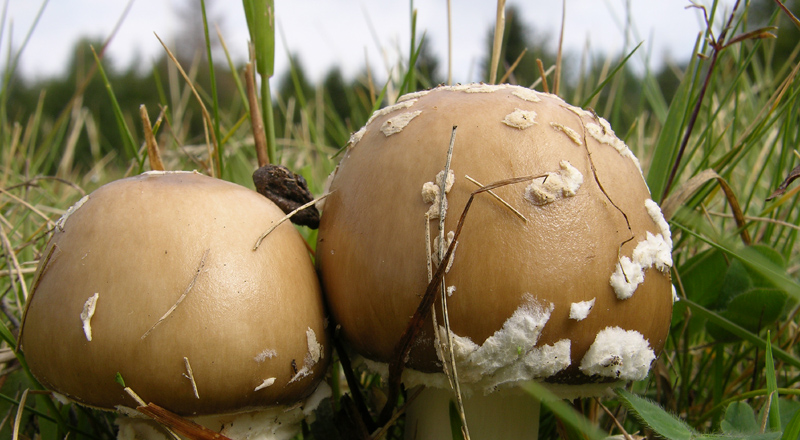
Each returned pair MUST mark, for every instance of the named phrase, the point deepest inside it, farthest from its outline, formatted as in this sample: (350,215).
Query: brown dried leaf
(793,175)
(287,190)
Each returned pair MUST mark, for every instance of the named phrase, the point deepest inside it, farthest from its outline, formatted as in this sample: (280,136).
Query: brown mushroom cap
(177,246)
(371,249)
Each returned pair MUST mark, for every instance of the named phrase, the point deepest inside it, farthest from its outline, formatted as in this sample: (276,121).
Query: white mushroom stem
(505,414)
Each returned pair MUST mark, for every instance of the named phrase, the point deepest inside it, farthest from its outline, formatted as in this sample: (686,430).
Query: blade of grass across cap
(453,370)
(179,424)
(403,346)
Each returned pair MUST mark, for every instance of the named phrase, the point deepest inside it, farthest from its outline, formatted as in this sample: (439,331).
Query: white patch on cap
(267,382)
(435,249)
(564,183)
(430,192)
(413,95)
(580,310)
(526,94)
(510,354)
(521,119)
(654,251)
(571,134)
(451,290)
(315,353)
(658,218)
(86,315)
(392,108)
(63,220)
(398,123)
(579,111)
(264,355)
(675,297)
(629,272)
(620,354)
(355,137)
(605,135)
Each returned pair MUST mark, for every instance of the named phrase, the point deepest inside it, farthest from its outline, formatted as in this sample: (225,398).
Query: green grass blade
(127,136)
(610,77)
(215,99)
(563,411)
(772,387)
(260,16)
(670,136)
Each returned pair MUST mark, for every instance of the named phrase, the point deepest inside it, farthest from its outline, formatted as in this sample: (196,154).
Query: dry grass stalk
(211,139)
(499,199)
(153,154)
(497,44)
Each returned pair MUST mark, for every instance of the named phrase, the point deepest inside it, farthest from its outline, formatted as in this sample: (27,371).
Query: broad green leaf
(661,422)
(739,418)
(792,431)
(702,276)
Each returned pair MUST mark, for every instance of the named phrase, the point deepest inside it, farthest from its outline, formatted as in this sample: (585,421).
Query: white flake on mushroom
(580,310)
(355,137)
(413,95)
(63,219)
(398,123)
(435,252)
(603,133)
(86,315)
(392,108)
(315,353)
(654,251)
(267,383)
(557,185)
(520,119)
(526,94)
(571,134)
(618,353)
(510,354)
(264,355)
(430,192)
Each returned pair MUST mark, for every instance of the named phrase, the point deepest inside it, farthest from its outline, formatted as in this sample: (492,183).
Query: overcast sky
(347,32)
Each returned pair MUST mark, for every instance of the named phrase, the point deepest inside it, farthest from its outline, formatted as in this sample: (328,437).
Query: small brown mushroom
(154,278)
(552,293)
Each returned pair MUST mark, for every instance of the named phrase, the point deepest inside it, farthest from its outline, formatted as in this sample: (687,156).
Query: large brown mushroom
(155,278)
(572,290)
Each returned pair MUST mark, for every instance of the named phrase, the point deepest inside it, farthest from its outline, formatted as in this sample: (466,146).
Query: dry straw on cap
(154,277)
(572,288)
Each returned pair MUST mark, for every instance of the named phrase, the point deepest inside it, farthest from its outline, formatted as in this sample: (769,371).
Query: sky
(347,33)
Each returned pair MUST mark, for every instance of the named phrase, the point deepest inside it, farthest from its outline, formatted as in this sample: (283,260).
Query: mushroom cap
(513,282)
(155,275)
